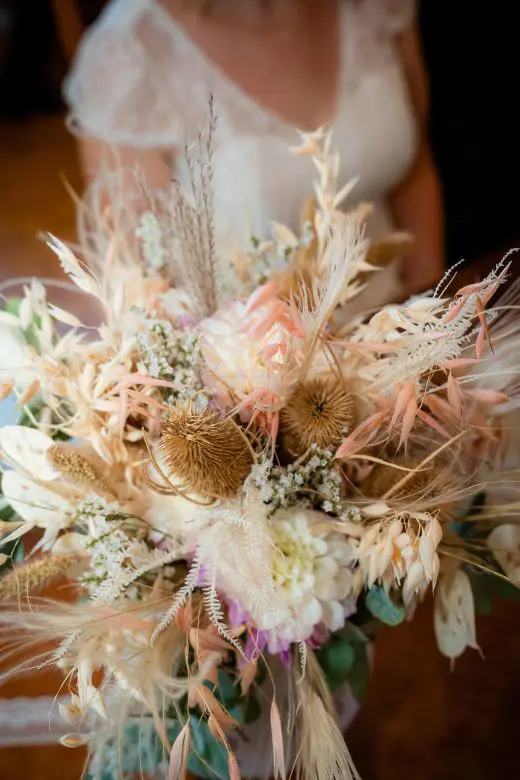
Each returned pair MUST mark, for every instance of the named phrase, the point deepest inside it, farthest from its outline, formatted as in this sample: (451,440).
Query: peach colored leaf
(472,288)
(207,640)
(29,393)
(459,363)
(233,768)
(247,675)
(432,423)
(408,421)
(440,407)
(454,311)
(487,396)
(277,738)
(261,296)
(404,397)
(361,435)
(179,755)
(208,702)
(454,395)
(479,344)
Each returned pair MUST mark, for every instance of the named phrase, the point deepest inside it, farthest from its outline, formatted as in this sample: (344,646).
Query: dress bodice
(140,81)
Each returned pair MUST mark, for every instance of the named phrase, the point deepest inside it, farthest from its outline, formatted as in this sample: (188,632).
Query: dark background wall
(472,49)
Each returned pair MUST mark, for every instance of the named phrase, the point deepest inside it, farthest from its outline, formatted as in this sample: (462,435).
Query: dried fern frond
(318,412)
(34,575)
(208,453)
(79,469)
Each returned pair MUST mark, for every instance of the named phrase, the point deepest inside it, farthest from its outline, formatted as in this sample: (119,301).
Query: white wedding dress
(139,81)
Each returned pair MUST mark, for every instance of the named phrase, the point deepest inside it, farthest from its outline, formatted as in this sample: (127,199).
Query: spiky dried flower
(207,452)
(78,468)
(318,412)
(35,575)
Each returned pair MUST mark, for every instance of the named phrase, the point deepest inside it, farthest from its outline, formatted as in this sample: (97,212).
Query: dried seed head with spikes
(318,412)
(208,453)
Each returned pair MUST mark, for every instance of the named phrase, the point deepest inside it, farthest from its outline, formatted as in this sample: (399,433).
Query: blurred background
(420,719)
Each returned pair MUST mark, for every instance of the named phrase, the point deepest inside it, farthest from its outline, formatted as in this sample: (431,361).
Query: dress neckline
(256,106)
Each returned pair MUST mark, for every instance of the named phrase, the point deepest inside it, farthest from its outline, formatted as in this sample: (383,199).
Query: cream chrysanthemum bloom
(287,573)
(312,574)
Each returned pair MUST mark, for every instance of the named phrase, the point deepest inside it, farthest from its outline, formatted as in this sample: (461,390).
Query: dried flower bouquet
(245,480)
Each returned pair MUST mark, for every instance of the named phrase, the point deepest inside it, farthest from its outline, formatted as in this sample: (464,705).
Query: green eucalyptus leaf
(12,306)
(360,672)
(504,589)
(227,692)
(336,658)
(383,608)
(352,633)
(482,592)
(208,757)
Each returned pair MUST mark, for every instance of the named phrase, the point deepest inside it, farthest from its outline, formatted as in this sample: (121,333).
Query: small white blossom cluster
(107,544)
(149,232)
(314,483)
(174,355)
(268,257)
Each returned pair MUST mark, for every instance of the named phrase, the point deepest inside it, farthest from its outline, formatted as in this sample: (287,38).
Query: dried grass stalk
(207,452)
(318,412)
(78,468)
(429,485)
(35,575)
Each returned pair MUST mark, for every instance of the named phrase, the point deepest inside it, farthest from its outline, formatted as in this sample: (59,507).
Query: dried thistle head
(319,411)
(207,452)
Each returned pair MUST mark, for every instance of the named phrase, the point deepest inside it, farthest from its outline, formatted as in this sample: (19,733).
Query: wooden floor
(420,720)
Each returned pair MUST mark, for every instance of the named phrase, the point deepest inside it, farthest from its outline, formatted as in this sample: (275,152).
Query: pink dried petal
(408,421)
(432,423)
(261,296)
(404,397)
(454,395)
(487,396)
(454,312)
(459,363)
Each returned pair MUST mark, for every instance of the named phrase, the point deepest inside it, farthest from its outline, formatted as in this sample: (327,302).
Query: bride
(143,73)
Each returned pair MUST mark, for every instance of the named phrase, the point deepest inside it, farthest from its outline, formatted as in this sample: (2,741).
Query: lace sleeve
(126,84)
(392,16)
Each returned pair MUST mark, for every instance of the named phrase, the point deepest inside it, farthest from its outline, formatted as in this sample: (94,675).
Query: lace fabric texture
(140,81)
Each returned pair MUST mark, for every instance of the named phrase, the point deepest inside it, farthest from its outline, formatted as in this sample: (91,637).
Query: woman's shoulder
(128,84)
